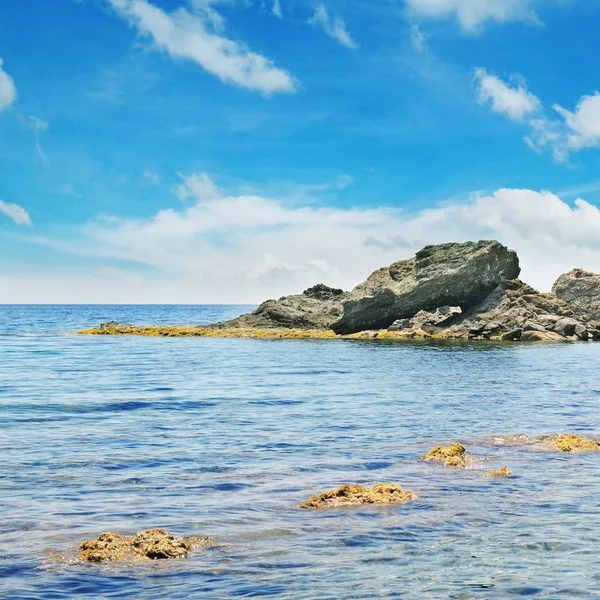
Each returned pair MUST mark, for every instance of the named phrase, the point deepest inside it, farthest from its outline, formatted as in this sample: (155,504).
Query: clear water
(224,438)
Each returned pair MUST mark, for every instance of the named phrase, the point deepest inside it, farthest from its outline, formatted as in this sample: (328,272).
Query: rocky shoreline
(467,291)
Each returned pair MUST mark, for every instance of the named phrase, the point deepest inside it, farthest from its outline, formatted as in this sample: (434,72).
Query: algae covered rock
(501,472)
(454,455)
(153,544)
(354,495)
(570,442)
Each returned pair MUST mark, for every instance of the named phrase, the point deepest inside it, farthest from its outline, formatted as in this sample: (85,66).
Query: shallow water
(224,437)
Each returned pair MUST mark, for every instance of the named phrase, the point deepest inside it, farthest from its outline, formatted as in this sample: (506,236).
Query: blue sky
(233,150)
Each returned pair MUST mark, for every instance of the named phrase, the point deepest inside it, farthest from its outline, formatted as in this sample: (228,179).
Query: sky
(230,151)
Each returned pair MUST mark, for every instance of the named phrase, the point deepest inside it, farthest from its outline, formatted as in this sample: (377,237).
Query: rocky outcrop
(453,291)
(580,290)
(355,495)
(153,544)
(516,311)
(316,308)
(446,275)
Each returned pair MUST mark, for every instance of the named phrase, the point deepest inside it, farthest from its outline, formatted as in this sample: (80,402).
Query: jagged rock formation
(581,292)
(454,291)
(449,274)
(316,308)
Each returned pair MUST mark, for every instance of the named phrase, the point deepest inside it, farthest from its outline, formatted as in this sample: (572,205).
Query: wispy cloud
(8,90)
(152,177)
(38,126)
(573,131)
(182,34)
(15,212)
(473,14)
(333,25)
(418,39)
(276,9)
(515,102)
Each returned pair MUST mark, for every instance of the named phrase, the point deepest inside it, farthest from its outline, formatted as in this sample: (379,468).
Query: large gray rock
(449,274)
(581,291)
(511,310)
(316,308)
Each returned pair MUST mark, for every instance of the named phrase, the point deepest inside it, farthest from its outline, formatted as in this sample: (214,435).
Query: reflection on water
(225,437)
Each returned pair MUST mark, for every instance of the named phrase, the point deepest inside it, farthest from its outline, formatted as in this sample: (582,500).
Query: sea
(225,437)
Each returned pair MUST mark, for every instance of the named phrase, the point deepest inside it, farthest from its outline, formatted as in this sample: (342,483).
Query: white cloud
(583,124)
(200,187)
(152,177)
(472,14)
(8,90)
(15,212)
(182,34)
(577,130)
(334,26)
(227,248)
(514,102)
(276,10)
(418,39)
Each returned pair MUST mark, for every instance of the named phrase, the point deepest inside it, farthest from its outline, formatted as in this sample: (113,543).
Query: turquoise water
(224,437)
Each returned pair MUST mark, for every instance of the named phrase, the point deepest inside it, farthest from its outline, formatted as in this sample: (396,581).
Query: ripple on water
(225,438)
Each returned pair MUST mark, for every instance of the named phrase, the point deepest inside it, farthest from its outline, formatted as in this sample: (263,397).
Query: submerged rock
(353,495)
(581,291)
(153,544)
(454,455)
(501,472)
(569,442)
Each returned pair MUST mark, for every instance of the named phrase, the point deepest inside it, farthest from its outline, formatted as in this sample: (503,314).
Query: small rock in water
(354,495)
(569,442)
(153,544)
(454,455)
(501,472)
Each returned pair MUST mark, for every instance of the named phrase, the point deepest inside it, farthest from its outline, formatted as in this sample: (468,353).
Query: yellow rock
(153,544)
(453,455)
(353,495)
(501,472)
(569,442)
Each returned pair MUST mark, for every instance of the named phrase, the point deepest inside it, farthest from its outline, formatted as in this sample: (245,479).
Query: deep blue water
(224,437)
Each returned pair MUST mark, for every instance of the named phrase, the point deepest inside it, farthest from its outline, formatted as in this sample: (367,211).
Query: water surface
(224,437)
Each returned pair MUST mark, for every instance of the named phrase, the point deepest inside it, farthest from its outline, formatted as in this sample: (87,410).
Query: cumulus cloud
(472,14)
(333,25)
(195,37)
(8,90)
(15,212)
(515,102)
(245,248)
(572,131)
(583,124)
